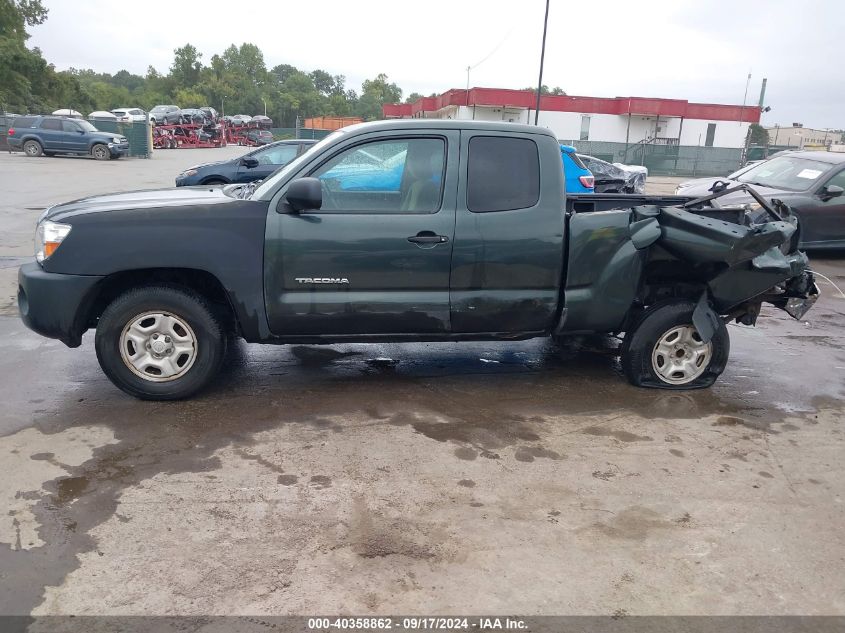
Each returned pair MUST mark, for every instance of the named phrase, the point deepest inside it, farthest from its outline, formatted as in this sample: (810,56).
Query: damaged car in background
(615,177)
(466,239)
(810,183)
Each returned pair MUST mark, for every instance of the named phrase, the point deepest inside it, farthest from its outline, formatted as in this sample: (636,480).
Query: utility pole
(744,98)
(762,92)
(542,59)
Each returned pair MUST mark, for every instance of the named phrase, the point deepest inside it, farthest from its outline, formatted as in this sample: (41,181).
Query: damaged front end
(744,256)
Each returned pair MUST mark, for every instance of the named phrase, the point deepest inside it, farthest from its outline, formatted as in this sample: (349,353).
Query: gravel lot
(418,478)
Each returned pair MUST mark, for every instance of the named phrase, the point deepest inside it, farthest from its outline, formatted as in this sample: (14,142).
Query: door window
(278,155)
(386,176)
(503,174)
(70,126)
(51,124)
(837,181)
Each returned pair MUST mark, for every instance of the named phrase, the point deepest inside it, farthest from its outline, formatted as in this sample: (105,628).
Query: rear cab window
(503,174)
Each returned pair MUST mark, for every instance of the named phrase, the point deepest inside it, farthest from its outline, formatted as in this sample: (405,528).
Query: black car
(210,113)
(193,115)
(254,165)
(261,121)
(257,137)
(811,183)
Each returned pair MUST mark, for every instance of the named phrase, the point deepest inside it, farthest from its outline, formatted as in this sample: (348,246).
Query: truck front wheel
(663,350)
(100,152)
(160,343)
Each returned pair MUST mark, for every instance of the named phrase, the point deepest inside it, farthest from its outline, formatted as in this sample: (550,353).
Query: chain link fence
(665,160)
(281,133)
(137,132)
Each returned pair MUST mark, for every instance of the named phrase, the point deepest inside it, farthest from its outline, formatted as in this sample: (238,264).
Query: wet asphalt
(514,477)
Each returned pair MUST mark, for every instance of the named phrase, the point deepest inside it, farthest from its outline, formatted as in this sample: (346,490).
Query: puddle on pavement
(70,488)
(444,393)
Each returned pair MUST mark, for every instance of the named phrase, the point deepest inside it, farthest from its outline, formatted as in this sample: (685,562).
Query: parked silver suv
(165,114)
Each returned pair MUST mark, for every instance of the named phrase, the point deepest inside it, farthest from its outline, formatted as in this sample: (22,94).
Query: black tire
(184,304)
(101,151)
(33,149)
(214,181)
(640,343)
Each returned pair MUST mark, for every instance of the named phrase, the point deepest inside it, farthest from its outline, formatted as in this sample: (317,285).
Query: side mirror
(305,194)
(80,131)
(832,191)
(249,162)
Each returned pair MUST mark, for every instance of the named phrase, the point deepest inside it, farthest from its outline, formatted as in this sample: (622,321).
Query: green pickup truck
(470,236)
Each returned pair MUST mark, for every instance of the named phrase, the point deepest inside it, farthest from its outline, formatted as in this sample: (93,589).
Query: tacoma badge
(322,280)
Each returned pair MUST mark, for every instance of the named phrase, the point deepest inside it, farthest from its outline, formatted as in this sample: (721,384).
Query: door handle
(428,238)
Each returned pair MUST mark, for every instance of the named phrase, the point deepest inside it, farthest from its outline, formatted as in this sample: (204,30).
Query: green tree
(414,96)
(20,67)
(185,71)
(188,98)
(757,134)
(545,91)
(125,79)
(283,71)
(299,97)
(323,82)
(374,94)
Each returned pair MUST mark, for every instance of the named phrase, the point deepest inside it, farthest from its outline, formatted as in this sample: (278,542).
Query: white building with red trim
(617,119)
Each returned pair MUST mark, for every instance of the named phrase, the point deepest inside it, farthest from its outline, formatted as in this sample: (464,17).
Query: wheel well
(199,281)
(210,180)
(672,278)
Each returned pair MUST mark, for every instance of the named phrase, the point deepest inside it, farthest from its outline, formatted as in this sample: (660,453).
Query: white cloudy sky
(699,50)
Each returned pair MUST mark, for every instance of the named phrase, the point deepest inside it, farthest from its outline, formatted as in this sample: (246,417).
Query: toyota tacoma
(477,242)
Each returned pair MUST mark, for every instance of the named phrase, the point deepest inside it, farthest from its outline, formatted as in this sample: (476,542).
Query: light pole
(223,107)
(542,59)
(265,106)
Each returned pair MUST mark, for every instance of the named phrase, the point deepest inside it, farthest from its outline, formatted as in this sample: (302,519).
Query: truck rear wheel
(663,350)
(33,149)
(160,343)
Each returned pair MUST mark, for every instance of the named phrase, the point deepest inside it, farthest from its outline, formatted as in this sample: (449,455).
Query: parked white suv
(125,115)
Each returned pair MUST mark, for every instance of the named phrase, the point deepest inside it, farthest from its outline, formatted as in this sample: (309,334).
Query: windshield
(785,172)
(87,126)
(265,190)
(159,109)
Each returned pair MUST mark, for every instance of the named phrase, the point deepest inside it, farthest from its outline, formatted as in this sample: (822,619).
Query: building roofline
(446,124)
(525,99)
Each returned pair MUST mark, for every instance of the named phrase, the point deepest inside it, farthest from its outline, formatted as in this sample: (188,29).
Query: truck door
(507,260)
(52,136)
(73,137)
(375,259)
(823,217)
